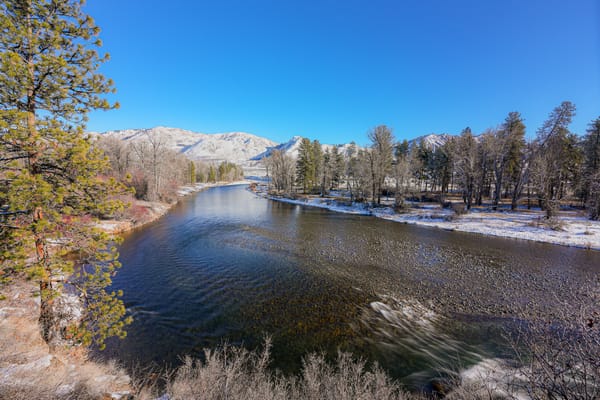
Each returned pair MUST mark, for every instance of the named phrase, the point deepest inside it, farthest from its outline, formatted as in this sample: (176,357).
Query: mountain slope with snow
(238,147)
(431,141)
(244,149)
(290,148)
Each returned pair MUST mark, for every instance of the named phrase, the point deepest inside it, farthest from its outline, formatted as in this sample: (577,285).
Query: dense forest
(499,166)
(155,172)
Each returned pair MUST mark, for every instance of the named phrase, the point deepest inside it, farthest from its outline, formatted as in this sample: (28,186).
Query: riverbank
(143,212)
(572,228)
(28,369)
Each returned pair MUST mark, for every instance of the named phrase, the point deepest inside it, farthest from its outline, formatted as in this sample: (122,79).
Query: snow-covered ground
(185,190)
(356,208)
(576,230)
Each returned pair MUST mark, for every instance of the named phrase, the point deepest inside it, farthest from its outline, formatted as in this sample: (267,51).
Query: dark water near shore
(224,265)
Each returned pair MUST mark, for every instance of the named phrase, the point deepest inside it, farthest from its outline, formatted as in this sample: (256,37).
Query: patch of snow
(65,389)
(577,231)
(431,141)
(237,147)
(493,378)
(125,394)
(242,148)
(17,369)
(355,208)
(290,147)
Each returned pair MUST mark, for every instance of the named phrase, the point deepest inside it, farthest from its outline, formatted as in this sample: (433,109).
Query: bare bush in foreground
(561,354)
(236,373)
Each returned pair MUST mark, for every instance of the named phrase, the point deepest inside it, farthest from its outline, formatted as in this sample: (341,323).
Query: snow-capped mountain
(290,147)
(343,148)
(238,147)
(244,149)
(431,141)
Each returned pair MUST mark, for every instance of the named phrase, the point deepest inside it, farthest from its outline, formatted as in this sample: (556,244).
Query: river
(227,266)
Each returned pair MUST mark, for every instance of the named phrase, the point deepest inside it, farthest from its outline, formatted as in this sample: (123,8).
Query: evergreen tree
(304,166)
(591,169)
(508,144)
(212,174)
(54,182)
(442,169)
(401,171)
(551,157)
(192,172)
(337,166)
(484,161)
(327,172)
(316,163)
(423,156)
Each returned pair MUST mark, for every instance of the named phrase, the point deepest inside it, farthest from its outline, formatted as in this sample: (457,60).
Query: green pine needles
(54,185)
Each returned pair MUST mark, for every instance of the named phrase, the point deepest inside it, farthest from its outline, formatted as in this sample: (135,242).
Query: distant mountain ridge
(243,148)
(431,141)
(238,147)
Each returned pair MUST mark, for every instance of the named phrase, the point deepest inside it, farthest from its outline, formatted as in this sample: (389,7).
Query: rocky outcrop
(28,369)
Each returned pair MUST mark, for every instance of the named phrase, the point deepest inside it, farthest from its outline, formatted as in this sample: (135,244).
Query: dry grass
(558,359)
(554,223)
(236,373)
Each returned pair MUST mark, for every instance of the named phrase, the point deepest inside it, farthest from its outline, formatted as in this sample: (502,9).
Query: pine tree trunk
(47,318)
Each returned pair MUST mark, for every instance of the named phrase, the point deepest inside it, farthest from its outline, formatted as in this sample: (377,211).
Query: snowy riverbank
(576,230)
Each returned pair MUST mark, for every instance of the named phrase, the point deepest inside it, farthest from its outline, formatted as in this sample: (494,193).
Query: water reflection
(225,265)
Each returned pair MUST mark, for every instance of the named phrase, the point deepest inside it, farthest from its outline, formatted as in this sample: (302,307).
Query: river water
(227,266)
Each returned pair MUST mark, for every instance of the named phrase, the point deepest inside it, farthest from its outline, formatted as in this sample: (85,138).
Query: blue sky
(332,70)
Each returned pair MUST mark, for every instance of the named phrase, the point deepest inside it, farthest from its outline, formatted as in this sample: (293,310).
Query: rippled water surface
(224,265)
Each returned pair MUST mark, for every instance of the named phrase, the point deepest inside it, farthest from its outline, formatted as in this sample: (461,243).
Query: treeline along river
(227,266)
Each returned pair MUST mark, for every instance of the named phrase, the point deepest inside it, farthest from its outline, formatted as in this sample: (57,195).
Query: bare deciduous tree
(466,164)
(283,170)
(380,157)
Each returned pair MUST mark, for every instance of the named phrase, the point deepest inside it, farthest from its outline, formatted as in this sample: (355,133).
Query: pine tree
(54,182)
(509,142)
(337,166)
(591,169)
(401,171)
(552,158)
(316,163)
(304,166)
(442,169)
(192,167)
(423,156)
(327,172)
(212,174)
